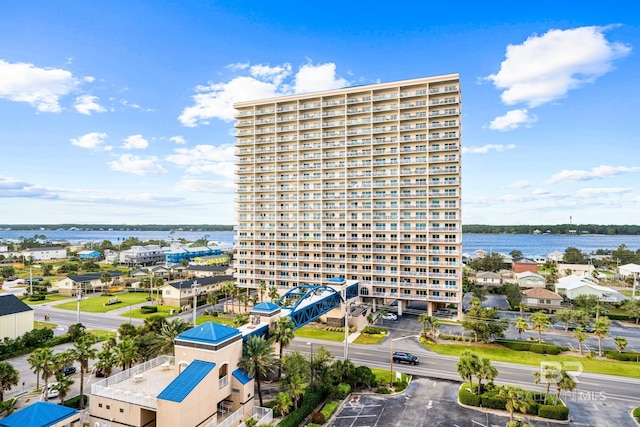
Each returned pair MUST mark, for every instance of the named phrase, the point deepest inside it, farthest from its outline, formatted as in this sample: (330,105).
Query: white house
(488,278)
(44,254)
(574,286)
(541,298)
(527,279)
(556,256)
(16,317)
(629,270)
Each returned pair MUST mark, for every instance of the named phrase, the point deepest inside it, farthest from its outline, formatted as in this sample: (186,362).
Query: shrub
(534,347)
(625,356)
(38,297)
(312,425)
(533,408)
(383,390)
(400,385)
(493,402)
(147,309)
(317,417)
(636,413)
(74,402)
(340,391)
(329,408)
(374,330)
(553,412)
(310,401)
(468,398)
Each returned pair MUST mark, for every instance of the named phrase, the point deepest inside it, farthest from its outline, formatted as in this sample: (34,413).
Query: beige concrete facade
(362,183)
(16,324)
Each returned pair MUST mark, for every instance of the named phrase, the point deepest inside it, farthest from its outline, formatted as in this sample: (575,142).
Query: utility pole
(195,301)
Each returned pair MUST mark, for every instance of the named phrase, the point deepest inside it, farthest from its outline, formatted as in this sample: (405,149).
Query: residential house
(520,265)
(208,270)
(179,253)
(89,255)
(540,259)
(629,270)
(541,298)
(179,294)
(200,385)
(574,286)
(575,269)
(556,256)
(527,279)
(488,278)
(44,254)
(16,317)
(43,414)
(89,283)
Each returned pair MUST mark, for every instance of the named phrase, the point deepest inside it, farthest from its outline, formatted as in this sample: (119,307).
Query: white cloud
(126,103)
(512,120)
(40,87)
(314,78)
(178,139)
(520,184)
(91,140)
(10,187)
(215,100)
(217,160)
(238,66)
(588,193)
(137,165)
(595,173)
(85,104)
(486,148)
(544,68)
(136,142)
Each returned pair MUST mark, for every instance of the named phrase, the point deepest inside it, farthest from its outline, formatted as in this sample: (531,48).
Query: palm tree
(257,360)
(233,290)
(601,329)
(486,371)
(9,377)
(283,403)
(539,321)
(125,353)
(546,375)
(83,351)
(521,325)
(240,319)
(297,386)
(273,294)
(621,343)
(467,366)
(35,360)
(283,333)
(169,332)
(580,335)
(263,289)
(105,279)
(63,386)
(515,398)
(430,321)
(106,360)
(564,382)
(47,363)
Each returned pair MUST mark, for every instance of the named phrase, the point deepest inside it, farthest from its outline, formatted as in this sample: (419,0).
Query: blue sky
(120,112)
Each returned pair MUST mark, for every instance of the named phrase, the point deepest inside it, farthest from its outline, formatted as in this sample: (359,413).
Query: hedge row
(309,403)
(553,412)
(534,347)
(352,329)
(74,402)
(625,356)
(146,309)
(374,330)
(636,413)
(468,398)
(62,339)
(329,408)
(454,338)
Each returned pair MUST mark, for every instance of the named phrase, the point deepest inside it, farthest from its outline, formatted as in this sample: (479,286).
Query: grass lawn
(320,334)
(44,325)
(163,310)
(101,334)
(49,298)
(369,338)
(382,375)
(222,320)
(97,304)
(626,292)
(501,354)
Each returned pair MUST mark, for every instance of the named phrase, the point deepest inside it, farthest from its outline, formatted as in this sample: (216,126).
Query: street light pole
(195,301)
(311,361)
(79,298)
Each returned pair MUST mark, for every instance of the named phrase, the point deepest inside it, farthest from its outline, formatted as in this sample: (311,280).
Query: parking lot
(430,403)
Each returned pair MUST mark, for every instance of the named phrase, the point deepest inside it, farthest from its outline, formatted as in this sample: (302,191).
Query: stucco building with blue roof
(200,385)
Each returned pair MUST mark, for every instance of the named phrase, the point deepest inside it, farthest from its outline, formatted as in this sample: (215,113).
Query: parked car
(442,312)
(389,316)
(67,370)
(52,391)
(99,373)
(399,357)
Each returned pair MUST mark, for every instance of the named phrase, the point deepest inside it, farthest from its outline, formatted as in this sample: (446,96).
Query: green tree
(521,325)
(63,386)
(273,294)
(516,399)
(283,403)
(125,353)
(46,269)
(9,377)
(169,332)
(574,256)
(36,362)
(46,361)
(257,360)
(283,333)
(467,366)
(106,361)
(106,280)
(296,368)
(127,330)
(546,375)
(492,262)
(484,323)
(263,290)
(83,352)
(486,372)
(516,253)
(240,319)
(631,308)
(76,331)
(621,343)
(7,271)
(429,321)
(601,329)
(581,336)
(539,321)
(564,382)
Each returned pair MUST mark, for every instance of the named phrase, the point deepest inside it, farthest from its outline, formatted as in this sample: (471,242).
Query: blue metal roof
(266,307)
(209,333)
(40,414)
(336,279)
(241,376)
(186,381)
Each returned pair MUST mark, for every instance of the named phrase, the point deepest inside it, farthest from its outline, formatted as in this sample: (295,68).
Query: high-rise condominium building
(361,183)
